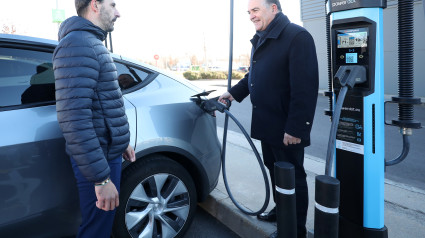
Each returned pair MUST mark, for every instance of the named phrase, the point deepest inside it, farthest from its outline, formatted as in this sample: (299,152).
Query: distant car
(176,144)
(243,69)
(216,68)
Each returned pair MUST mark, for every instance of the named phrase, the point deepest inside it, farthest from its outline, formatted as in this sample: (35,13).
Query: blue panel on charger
(374,162)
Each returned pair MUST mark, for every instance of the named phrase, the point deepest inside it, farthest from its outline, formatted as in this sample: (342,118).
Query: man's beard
(106,22)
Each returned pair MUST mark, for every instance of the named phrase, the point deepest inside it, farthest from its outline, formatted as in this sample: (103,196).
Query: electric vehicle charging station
(356,46)
(357,41)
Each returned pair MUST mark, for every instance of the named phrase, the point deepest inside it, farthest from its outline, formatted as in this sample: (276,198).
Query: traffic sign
(58,15)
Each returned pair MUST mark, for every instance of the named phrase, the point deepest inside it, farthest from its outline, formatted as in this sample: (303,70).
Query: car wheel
(157,199)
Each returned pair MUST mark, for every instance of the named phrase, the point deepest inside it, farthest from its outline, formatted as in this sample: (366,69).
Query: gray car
(176,144)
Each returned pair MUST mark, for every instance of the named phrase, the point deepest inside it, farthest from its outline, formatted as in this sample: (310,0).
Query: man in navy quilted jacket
(91,113)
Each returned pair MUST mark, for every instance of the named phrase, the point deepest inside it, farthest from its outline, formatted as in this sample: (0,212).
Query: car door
(131,79)
(38,196)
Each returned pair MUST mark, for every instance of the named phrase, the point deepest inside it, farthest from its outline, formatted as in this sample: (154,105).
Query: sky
(154,27)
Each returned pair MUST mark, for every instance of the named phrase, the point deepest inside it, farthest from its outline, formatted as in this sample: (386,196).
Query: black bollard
(285,200)
(326,212)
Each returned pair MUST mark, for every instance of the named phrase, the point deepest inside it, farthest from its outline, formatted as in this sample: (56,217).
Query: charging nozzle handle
(228,103)
(351,75)
(219,106)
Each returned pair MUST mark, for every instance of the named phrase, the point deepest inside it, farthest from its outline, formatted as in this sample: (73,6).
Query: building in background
(313,18)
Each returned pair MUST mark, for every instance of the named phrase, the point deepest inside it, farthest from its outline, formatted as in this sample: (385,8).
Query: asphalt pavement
(404,206)
(206,226)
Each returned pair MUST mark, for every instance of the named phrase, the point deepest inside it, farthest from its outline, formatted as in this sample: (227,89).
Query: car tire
(145,213)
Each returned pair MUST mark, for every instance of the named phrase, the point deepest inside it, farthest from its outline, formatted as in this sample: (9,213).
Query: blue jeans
(95,222)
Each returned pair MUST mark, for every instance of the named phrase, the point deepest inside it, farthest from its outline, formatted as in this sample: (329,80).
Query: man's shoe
(268,216)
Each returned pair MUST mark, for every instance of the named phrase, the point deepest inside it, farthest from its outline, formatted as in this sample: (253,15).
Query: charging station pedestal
(357,39)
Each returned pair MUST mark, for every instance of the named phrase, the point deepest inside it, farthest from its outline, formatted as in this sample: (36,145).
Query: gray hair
(81,6)
(270,2)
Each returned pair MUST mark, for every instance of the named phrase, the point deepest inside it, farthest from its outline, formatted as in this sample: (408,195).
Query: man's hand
(225,95)
(107,197)
(129,154)
(290,140)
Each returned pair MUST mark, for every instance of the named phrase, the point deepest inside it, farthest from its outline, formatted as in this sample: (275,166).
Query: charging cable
(348,76)
(212,105)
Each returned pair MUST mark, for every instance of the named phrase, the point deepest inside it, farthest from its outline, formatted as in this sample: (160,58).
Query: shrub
(205,74)
(212,75)
(191,75)
(237,75)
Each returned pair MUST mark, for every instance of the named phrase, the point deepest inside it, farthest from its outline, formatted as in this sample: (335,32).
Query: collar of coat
(273,31)
(76,23)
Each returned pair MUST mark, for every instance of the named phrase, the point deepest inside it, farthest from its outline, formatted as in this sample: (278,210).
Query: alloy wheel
(158,207)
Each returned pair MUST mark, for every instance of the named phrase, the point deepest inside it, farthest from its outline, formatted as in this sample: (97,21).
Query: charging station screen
(352,38)
(352,45)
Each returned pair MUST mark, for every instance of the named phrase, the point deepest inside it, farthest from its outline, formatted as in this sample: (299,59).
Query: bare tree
(9,29)
(172,61)
(194,60)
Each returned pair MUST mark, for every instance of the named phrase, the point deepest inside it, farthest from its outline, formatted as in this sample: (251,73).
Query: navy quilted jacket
(89,103)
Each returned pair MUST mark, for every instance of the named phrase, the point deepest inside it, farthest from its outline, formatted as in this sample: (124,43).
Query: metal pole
(326,212)
(106,42)
(285,200)
(229,77)
(110,42)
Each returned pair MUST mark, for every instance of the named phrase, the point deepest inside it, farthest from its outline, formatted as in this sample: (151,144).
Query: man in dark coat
(91,113)
(283,84)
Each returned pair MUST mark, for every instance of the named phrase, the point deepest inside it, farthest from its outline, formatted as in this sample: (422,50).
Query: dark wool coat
(89,103)
(282,82)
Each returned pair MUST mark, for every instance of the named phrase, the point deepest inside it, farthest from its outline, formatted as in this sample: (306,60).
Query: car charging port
(210,105)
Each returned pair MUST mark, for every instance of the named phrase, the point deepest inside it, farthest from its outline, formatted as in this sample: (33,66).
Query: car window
(129,76)
(26,77)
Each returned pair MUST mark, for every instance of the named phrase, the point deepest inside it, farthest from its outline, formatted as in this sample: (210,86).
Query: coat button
(252,85)
(254,106)
(307,123)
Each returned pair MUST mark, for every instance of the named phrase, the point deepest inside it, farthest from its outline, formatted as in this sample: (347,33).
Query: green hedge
(193,75)
(237,75)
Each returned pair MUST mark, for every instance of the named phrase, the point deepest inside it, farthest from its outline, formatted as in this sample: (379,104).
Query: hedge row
(193,75)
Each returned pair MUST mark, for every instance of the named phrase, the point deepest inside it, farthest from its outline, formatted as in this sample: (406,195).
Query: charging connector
(349,75)
(213,104)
